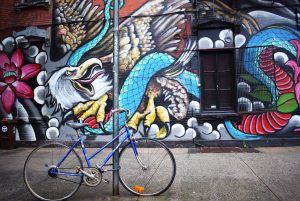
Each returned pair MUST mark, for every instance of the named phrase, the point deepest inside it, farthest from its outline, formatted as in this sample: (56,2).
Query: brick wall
(11,20)
(127,9)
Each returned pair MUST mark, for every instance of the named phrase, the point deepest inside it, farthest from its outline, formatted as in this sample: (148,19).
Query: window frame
(24,4)
(233,111)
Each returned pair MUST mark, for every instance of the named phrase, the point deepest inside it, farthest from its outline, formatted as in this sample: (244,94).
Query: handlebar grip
(120,110)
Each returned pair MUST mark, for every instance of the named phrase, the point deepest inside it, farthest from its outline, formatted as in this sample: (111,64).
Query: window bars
(255,79)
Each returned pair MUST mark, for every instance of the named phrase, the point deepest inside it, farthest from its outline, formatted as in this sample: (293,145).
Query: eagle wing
(152,27)
(76,23)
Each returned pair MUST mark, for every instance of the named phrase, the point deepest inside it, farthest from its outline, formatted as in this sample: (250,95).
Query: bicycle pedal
(106,181)
(77,169)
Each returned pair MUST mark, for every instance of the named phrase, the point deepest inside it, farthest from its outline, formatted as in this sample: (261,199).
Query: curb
(271,142)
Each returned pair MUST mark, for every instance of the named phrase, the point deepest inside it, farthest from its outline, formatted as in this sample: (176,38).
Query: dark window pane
(226,98)
(225,61)
(209,81)
(208,62)
(210,99)
(226,80)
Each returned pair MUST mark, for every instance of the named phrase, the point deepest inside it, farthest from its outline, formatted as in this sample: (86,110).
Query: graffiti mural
(160,79)
(22,80)
(82,88)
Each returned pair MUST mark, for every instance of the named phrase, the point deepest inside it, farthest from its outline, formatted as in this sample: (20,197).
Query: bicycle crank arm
(85,173)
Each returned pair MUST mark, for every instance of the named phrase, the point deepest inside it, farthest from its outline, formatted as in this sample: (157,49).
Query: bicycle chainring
(92,182)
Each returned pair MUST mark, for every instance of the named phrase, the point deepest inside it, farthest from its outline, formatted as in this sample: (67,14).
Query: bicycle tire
(45,185)
(160,172)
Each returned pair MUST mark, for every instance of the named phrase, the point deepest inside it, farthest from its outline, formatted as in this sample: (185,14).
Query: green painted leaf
(249,79)
(287,103)
(262,93)
(261,88)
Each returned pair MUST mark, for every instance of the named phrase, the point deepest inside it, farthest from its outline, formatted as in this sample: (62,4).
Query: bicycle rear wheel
(45,180)
(152,172)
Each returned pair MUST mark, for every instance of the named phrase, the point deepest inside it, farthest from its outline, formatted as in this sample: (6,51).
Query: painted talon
(163,115)
(101,111)
(148,121)
(82,107)
(149,116)
(84,111)
(134,121)
(164,131)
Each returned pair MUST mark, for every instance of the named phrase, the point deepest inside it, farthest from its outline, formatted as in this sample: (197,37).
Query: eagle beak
(83,68)
(85,74)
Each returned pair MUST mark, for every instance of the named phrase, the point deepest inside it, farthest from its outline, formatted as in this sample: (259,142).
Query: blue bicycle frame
(88,158)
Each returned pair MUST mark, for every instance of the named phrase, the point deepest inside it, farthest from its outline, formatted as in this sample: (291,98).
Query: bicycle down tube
(66,166)
(88,158)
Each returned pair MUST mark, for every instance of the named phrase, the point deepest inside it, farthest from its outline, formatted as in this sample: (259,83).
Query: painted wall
(71,79)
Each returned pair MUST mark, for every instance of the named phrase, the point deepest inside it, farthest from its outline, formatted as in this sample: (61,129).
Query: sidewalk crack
(260,179)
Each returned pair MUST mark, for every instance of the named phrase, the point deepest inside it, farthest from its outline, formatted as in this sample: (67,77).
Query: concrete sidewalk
(271,174)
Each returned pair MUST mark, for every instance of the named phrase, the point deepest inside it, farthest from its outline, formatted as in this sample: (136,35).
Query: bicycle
(54,171)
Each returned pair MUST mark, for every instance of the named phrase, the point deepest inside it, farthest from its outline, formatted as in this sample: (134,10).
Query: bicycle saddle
(76,125)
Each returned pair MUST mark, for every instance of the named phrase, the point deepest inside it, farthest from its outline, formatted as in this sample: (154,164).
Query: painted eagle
(156,26)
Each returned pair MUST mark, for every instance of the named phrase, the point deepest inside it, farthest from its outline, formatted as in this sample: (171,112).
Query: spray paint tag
(4,129)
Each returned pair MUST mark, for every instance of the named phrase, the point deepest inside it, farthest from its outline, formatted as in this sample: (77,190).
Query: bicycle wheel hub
(52,172)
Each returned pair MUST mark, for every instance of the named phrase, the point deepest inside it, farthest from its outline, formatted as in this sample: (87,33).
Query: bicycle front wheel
(151,171)
(45,180)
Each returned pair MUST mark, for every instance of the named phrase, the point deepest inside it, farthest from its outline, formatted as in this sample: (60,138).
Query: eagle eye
(68,72)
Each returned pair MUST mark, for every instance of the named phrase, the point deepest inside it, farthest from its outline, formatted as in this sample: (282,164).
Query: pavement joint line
(261,180)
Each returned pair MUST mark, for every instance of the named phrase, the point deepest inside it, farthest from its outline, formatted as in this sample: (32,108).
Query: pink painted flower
(12,75)
(295,66)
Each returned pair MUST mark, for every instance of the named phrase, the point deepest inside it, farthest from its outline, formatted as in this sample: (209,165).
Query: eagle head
(72,85)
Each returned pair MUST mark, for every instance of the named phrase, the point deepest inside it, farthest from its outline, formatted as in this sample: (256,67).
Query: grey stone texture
(271,174)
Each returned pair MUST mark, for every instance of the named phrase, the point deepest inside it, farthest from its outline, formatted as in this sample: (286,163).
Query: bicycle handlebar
(80,124)
(120,110)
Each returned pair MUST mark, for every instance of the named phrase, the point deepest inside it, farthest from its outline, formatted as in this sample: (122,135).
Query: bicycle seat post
(79,129)
(78,132)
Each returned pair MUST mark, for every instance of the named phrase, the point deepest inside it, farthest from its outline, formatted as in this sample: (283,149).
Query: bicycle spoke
(141,168)
(160,171)
(55,187)
(41,181)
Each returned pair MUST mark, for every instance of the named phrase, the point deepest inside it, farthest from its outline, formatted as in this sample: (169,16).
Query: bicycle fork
(136,154)
(141,162)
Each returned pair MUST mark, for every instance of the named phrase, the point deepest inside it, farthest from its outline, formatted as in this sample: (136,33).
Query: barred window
(218,81)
